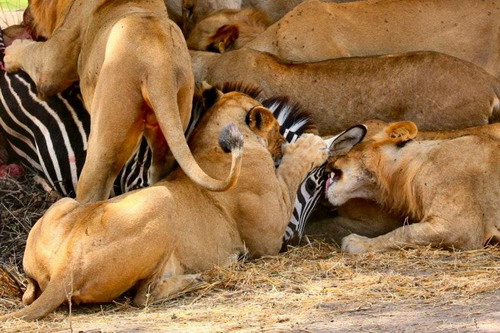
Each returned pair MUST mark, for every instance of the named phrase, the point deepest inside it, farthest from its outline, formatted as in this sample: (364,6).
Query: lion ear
(210,94)
(401,131)
(260,120)
(224,38)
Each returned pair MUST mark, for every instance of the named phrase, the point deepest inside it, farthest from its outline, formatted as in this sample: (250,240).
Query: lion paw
(13,54)
(356,244)
(309,147)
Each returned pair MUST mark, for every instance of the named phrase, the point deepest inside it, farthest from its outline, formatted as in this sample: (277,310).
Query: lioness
(448,186)
(135,78)
(155,235)
(434,90)
(314,30)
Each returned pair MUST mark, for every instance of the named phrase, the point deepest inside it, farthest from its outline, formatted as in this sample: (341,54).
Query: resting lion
(434,90)
(314,31)
(155,236)
(447,183)
(135,78)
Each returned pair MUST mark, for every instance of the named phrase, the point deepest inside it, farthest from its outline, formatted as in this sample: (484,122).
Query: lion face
(258,118)
(263,123)
(358,169)
(349,178)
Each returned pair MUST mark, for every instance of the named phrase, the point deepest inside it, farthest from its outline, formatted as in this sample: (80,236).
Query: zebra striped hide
(50,138)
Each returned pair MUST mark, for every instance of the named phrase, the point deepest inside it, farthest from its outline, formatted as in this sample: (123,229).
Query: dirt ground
(314,288)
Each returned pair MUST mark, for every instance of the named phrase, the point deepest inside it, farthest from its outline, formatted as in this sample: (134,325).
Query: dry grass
(308,286)
(313,279)
(22,202)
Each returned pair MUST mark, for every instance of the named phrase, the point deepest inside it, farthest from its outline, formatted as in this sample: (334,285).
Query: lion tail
(53,296)
(166,108)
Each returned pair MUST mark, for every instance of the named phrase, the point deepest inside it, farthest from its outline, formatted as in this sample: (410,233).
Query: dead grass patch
(305,284)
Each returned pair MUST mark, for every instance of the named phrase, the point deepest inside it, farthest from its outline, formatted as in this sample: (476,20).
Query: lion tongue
(329,182)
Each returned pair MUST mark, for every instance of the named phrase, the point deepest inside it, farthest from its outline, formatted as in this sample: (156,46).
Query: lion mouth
(329,183)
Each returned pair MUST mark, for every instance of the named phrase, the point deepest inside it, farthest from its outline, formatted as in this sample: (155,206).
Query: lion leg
(117,125)
(170,281)
(108,151)
(436,232)
(52,65)
(299,158)
(163,161)
(32,292)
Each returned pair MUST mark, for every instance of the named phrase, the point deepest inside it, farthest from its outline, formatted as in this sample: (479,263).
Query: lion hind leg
(163,160)
(167,282)
(117,125)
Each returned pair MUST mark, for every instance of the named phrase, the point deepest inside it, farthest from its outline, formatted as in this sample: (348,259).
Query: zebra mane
(290,115)
(293,119)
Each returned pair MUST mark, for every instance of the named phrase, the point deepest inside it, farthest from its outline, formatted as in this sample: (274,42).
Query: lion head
(360,170)
(256,120)
(42,17)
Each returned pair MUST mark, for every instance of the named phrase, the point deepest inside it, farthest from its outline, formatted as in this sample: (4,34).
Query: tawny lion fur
(434,90)
(154,238)
(135,76)
(445,182)
(315,31)
(227,30)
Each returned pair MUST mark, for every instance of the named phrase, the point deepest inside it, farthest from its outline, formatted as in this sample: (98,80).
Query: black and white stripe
(50,136)
(294,122)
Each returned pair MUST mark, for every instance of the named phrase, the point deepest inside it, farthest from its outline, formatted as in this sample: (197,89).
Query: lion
(115,49)
(436,91)
(366,217)
(446,183)
(315,31)
(155,235)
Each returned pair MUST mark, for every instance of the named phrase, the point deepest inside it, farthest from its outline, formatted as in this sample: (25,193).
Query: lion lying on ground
(155,237)
(434,90)
(135,77)
(315,31)
(447,183)
(366,217)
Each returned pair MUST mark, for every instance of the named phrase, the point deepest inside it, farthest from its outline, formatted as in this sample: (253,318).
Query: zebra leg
(299,158)
(52,64)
